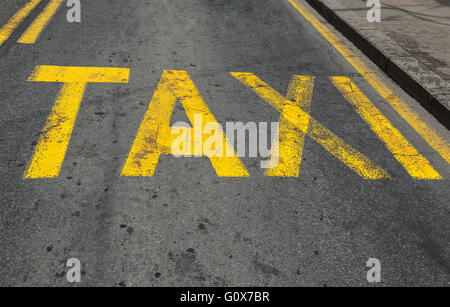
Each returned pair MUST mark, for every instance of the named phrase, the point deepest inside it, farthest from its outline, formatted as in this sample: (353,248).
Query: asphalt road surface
(382,192)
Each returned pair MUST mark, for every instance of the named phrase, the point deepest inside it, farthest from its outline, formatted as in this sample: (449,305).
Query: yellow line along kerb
(418,124)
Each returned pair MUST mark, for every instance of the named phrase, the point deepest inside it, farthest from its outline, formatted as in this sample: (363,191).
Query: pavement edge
(417,80)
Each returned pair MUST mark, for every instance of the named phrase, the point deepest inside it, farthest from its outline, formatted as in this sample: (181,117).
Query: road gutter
(424,85)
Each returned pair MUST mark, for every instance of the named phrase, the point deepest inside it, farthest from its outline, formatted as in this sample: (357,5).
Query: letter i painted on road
(52,146)
(414,163)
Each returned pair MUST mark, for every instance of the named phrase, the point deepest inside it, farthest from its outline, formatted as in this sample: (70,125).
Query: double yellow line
(414,120)
(35,29)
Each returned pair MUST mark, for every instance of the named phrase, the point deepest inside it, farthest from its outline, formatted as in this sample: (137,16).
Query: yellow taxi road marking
(154,135)
(16,20)
(73,74)
(35,29)
(414,163)
(51,149)
(308,125)
(418,124)
(291,140)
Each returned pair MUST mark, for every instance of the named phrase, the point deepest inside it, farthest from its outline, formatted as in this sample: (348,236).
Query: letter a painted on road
(154,136)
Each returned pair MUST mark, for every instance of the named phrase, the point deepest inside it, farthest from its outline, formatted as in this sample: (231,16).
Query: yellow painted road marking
(52,146)
(308,125)
(154,135)
(291,140)
(16,20)
(35,29)
(71,74)
(51,149)
(414,163)
(418,124)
